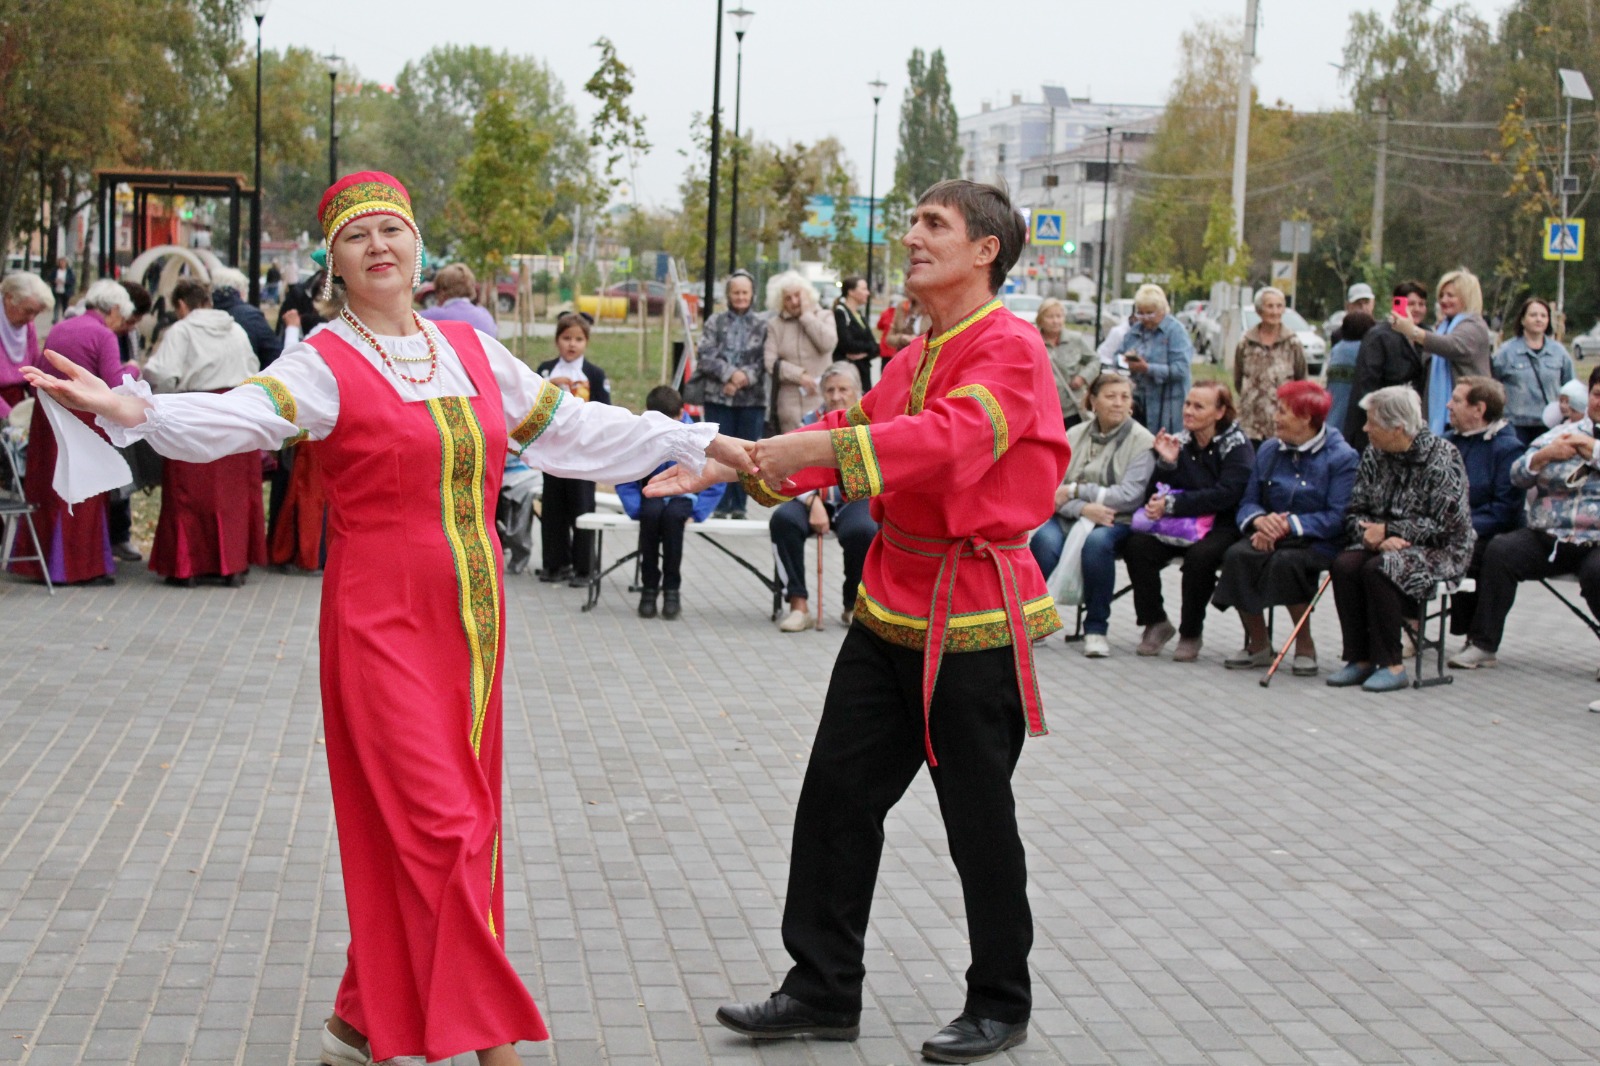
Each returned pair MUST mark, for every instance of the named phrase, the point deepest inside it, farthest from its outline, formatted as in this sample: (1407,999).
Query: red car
(655,294)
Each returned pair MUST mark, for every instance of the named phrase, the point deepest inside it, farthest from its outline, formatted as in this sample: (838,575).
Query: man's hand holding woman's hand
(726,458)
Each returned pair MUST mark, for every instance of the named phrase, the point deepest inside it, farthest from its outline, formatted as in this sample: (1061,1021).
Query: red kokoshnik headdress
(366,192)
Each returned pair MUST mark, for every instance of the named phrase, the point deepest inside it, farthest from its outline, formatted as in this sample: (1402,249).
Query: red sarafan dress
(212,519)
(412,643)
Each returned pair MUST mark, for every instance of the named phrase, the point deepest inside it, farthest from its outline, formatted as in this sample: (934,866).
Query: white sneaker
(1096,646)
(336,1052)
(796,622)
(1473,657)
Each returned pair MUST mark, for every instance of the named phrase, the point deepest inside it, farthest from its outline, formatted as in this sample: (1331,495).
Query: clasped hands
(1567,446)
(1267,530)
(1375,538)
(774,460)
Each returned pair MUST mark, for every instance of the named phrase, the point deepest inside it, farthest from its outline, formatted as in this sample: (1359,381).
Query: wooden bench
(599,522)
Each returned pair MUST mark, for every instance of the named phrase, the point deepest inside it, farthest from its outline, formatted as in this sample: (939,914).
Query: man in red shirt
(960,449)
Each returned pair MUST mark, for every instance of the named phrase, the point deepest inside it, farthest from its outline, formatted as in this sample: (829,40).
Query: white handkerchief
(85,465)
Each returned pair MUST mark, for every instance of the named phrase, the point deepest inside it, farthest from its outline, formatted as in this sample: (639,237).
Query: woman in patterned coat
(1410,527)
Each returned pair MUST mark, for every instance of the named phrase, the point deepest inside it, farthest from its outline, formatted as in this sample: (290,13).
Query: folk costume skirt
(212,519)
(412,646)
(77,542)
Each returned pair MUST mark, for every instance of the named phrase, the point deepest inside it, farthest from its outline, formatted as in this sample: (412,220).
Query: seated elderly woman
(1201,474)
(1107,480)
(1292,515)
(1563,512)
(794,522)
(1408,527)
(1489,445)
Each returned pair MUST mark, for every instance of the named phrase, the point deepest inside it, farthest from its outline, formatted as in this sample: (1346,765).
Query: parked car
(1316,348)
(1024,305)
(505,296)
(655,294)
(1080,312)
(1586,345)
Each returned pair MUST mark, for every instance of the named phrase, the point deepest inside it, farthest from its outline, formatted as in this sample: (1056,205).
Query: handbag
(1171,529)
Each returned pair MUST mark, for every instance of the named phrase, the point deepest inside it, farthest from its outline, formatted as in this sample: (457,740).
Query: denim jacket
(1311,484)
(1162,389)
(1531,378)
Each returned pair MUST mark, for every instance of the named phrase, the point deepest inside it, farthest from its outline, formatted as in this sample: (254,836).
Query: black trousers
(1463,605)
(563,542)
(1370,608)
(1144,556)
(869,748)
(790,526)
(1525,555)
(119,519)
(661,522)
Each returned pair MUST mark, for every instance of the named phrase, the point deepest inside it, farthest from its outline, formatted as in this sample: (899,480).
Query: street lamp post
(333,62)
(258,9)
(741,22)
(716,148)
(1100,271)
(1574,86)
(877,85)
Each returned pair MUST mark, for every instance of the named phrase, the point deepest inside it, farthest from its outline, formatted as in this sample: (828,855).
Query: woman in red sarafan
(412,421)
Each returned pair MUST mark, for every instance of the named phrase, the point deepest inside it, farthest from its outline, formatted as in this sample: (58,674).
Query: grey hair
(107,295)
(843,369)
(229,278)
(1395,407)
(21,285)
(791,281)
(1261,294)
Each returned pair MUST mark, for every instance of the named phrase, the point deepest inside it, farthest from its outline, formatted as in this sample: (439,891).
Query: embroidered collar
(938,342)
(1311,446)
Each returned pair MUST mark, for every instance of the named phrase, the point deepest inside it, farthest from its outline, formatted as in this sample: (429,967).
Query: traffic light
(1068,247)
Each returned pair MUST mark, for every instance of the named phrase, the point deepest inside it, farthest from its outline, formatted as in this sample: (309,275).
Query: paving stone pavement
(1221,874)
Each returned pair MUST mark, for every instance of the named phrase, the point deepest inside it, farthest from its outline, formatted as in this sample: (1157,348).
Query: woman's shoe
(669,604)
(647,603)
(1305,666)
(1096,646)
(1155,638)
(795,622)
(1188,650)
(551,577)
(1473,657)
(1386,681)
(336,1052)
(1245,659)
(1350,674)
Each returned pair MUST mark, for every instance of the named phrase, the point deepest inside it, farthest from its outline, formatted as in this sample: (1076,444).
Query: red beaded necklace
(371,338)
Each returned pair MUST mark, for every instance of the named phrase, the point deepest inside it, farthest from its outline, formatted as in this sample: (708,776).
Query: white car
(1315,347)
(1024,305)
(1587,345)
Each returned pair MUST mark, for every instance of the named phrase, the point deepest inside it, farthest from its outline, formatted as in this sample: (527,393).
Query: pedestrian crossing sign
(1563,240)
(1048,228)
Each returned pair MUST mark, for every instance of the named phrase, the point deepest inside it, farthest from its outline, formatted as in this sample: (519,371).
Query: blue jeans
(746,423)
(1099,566)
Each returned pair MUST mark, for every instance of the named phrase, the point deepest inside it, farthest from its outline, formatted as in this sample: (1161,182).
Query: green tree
(930,147)
(498,205)
(846,253)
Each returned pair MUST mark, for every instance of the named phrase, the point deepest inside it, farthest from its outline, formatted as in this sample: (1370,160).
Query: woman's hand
(1064,493)
(732,453)
(1136,363)
(83,391)
(1274,526)
(1155,508)
(739,379)
(1076,383)
(679,480)
(1166,447)
(808,382)
(818,516)
(1393,544)
(1263,542)
(1403,325)
(1099,514)
(1372,534)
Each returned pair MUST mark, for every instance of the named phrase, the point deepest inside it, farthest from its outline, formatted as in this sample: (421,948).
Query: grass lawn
(617,352)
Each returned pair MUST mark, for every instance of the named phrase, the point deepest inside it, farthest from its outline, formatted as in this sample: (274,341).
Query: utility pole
(1574,86)
(1379,181)
(716,148)
(1100,271)
(1241,125)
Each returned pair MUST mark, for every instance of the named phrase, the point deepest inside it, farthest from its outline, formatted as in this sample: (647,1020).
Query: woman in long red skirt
(413,420)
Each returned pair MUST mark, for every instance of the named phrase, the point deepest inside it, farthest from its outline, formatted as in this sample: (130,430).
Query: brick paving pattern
(1221,874)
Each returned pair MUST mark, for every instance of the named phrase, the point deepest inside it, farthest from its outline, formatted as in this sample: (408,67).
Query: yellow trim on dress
(997,416)
(975,631)
(758,491)
(930,353)
(282,399)
(859,473)
(538,420)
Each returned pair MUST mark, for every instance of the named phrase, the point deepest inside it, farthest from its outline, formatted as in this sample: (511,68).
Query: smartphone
(1402,306)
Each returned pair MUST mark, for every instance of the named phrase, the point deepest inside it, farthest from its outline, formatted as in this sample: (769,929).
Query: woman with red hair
(1292,518)
(410,421)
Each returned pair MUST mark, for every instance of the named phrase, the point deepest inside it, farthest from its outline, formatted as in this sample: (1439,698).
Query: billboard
(819,219)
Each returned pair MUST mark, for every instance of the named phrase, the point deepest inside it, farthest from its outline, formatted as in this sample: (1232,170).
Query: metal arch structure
(146,183)
(172,263)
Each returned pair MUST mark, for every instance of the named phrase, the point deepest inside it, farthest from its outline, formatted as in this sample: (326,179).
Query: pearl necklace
(432,358)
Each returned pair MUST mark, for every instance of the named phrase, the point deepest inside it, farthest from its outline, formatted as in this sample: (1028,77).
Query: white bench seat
(599,522)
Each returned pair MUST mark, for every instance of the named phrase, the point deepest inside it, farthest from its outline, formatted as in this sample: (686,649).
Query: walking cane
(819,580)
(1265,681)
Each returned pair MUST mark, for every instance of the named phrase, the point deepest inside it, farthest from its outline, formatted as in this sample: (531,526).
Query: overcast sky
(808,62)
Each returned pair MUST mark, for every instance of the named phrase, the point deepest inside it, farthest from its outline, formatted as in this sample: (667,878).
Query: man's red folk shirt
(960,444)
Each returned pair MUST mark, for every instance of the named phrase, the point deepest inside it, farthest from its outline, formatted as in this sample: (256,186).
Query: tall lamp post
(1100,271)
(877,85)
(1574,86)
(258,9)
(741,22)
(334,62)
(716,150)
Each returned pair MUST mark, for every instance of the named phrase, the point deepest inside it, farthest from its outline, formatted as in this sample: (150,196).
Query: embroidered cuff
(859,475)
(121,435)
(758,491)
(687,445)
(991,407)
(857,416)
(538,420)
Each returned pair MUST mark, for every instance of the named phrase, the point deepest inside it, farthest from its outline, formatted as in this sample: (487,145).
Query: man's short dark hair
(140,297)
(1488,392)
(1411,288)
(192,294)
(665,399)
(988,213)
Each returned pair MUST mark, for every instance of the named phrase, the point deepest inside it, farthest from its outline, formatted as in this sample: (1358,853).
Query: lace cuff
(121,435)
(687,447)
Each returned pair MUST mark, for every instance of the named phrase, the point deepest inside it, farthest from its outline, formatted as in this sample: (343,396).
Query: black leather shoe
(551,577)
(969,1039)
(669,604)
(647,603)
(783,1015)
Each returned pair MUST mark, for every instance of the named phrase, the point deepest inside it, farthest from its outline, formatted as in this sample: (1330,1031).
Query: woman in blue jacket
(1158,351)
(1532,366)
(1292,518)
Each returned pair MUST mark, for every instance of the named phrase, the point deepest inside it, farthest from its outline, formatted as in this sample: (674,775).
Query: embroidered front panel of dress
(538,419)
(461,489)
(930,353)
